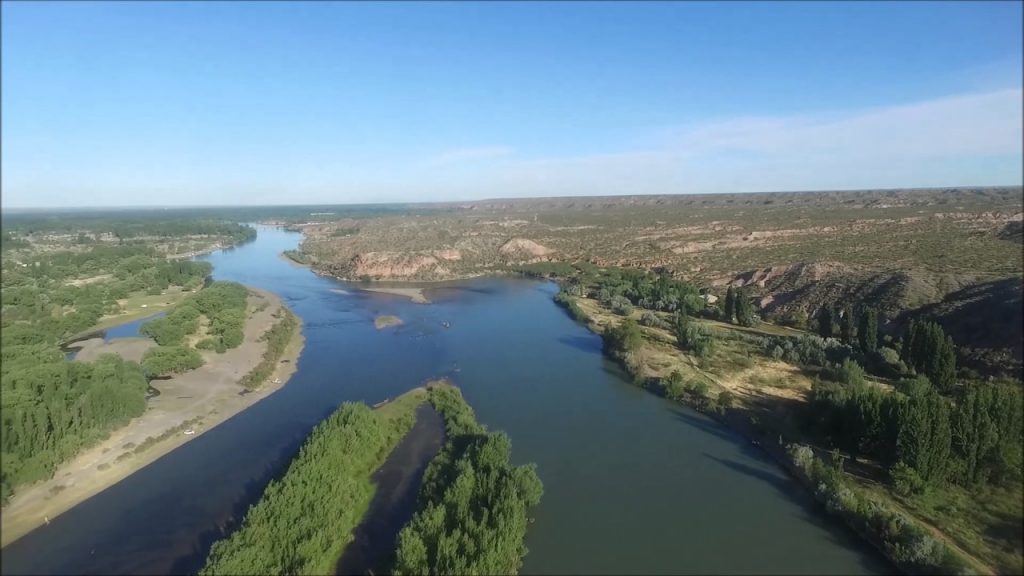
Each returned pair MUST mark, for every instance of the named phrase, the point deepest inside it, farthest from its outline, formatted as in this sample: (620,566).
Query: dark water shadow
(707,425)
(584,343)
(194,560)
(398,481)
(834,529)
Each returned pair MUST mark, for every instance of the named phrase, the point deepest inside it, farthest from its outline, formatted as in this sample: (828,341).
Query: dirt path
(197,400)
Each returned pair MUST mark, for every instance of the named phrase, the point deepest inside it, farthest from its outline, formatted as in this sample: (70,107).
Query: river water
(633,483)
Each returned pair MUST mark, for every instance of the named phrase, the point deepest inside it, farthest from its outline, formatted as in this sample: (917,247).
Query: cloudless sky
(149,103)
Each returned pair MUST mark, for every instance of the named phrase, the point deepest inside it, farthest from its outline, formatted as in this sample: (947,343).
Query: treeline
(304,520)
(471,514)
(154,224)
(277,339)
(927,432)
(905,541)
(52,408)
(622,288)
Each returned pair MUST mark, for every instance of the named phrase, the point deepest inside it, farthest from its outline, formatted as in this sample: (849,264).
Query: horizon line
(512,198)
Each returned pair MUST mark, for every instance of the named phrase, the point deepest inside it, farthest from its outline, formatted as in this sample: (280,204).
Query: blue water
(633,483)
(129,329)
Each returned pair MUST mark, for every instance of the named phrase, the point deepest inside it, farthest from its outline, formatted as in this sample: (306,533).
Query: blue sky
(185,103)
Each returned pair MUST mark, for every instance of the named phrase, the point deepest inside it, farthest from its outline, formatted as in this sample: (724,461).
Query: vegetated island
(386,321)
(471,511)
(219,351)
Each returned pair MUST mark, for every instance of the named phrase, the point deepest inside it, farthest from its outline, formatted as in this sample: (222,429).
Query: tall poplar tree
(847,328)
(825,322)
(730,305)
(868,332)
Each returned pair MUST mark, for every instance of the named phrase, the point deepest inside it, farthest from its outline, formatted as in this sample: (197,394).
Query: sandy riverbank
(292,261)
(414,294)
(197,400)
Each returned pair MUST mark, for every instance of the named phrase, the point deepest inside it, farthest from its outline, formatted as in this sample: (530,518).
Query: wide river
(632,483)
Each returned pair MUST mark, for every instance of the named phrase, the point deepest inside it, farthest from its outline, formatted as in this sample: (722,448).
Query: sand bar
(414,294)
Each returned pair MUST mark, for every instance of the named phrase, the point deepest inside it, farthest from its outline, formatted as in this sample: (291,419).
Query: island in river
(187,405)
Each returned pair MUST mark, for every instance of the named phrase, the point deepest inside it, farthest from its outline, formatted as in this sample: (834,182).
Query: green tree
(868,331)
(825,325)
(924,439)
(745,314)
(624,338)
(730,305)
(847,327)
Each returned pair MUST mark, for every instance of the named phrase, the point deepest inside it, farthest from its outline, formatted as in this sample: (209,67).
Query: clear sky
(147,103)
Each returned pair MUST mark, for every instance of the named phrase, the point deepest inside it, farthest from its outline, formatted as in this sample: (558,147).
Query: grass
(984,520)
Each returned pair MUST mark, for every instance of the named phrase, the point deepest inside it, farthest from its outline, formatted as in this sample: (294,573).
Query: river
(633,483)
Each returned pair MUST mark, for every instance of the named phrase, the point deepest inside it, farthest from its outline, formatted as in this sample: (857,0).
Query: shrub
(651,319)
(905,480)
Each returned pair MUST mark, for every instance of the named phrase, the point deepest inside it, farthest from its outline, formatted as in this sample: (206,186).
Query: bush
(905,480)
(167,360)
(724,401)
(651,319)
(621,305)
(849,373)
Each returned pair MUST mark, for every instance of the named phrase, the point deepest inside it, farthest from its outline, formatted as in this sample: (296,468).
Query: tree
(975,433)
(624,338)
(924,437)
(868,332)
(825,326)
(730,305)
(745,314)
(847,329)
(691,336)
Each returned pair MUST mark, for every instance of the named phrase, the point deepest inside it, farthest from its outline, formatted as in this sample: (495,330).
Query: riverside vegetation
(916,442)
(471,515)
(59,280)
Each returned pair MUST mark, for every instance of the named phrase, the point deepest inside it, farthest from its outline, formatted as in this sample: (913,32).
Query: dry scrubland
(941,240)
(954,254)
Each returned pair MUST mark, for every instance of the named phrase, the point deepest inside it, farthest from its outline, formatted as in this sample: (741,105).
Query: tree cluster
(52,408)
(471,515)
(304,520)
(739,308)
(928,349)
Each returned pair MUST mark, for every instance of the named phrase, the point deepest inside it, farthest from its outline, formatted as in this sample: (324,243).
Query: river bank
(763,420)
(195,401)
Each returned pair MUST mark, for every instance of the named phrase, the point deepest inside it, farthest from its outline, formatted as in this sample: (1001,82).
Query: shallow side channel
(398,482)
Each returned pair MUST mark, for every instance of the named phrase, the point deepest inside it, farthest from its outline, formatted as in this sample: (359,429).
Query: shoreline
(31,506)
(773,445)
(292,261)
